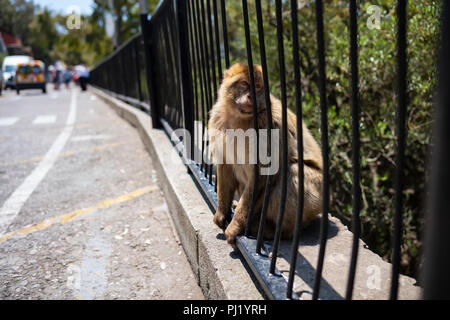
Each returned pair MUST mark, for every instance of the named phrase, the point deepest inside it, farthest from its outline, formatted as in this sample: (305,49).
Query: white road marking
(17,199)
(90,137)
(45,119)
(93,270)
(8,121)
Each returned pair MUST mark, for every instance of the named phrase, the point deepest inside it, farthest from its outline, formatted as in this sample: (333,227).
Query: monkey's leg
(226,187)
(311,201)
(313,194)
(240,217)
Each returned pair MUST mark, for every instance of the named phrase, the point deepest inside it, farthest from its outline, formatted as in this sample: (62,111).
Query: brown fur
(230,113)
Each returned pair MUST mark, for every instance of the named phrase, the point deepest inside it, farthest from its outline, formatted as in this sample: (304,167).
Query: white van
(9,67)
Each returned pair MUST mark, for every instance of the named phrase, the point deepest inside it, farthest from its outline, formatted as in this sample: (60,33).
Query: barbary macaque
(234,110)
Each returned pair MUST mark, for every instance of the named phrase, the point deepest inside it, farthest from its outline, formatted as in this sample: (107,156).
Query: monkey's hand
(232,231)
(219,219)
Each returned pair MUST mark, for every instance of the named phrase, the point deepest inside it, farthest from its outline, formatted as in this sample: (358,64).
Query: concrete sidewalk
(97,225)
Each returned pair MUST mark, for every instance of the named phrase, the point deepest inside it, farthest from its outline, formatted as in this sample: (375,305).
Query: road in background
(81,212)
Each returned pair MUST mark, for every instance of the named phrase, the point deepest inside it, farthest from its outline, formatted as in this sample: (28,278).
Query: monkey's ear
(226,74)
(258,75)
(257,69)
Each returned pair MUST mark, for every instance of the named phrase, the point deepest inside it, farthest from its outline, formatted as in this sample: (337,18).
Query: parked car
(1,82)
(30,75)
(9,67)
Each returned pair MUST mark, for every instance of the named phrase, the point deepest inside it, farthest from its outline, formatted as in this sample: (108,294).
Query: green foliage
(50,39)
(377,67)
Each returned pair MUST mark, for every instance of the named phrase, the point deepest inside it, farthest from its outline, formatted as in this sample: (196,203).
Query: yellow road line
(65,154)
(75,214)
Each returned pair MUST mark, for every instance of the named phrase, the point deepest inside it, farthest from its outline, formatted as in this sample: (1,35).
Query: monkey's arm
(226,187)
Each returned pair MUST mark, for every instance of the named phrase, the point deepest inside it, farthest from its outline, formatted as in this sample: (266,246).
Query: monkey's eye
(243,85)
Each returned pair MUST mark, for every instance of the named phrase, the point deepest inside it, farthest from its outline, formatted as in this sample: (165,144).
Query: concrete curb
(219,271)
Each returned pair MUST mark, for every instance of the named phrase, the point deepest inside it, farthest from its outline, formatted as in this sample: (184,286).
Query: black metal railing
(122,73)
(184,48)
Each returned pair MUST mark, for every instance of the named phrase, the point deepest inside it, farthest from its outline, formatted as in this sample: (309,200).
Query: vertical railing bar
(133,79)
(168,70)
(108,80)
(200,60)
(138,67)
(262,50)
(301,184)
(171,67)
(149,69)
(284,135)
(110,75)
(213,67)
(120,71)
(356,190)
(127,52)
(255,116)
(401,142)
(208,79)
(194,71)
(118,84)
(217,33)
(132,72)
(324,138)
(185,72)
(437,244)
(195,75)
(219,59)
(112,79)
(225,34)
(125,71)
(211,44)
(175,42)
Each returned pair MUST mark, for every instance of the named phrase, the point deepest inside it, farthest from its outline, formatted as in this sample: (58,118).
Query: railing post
(186,88)
(437,241)
(148,47)
(138,67)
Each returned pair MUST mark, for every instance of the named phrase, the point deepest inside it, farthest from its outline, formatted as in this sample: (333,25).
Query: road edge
(219,271)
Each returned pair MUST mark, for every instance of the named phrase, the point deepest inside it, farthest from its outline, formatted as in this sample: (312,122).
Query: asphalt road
(81,212)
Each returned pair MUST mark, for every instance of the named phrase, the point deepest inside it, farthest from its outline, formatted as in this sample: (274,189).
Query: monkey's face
(238,90)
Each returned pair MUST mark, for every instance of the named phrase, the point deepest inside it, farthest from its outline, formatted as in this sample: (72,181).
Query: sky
(63,5)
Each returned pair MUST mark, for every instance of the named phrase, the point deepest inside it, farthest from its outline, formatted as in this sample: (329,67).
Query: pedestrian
(83,73)
(57,77)
(67,77)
